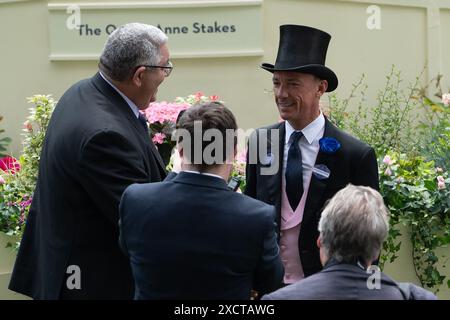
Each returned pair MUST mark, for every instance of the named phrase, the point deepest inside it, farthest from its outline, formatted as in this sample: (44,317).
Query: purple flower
(329,145)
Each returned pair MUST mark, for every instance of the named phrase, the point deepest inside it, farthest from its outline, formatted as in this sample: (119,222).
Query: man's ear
(138,76)
(319,243)
(323,86)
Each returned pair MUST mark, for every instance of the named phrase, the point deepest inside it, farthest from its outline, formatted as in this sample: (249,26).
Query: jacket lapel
(317,187)
(122,107)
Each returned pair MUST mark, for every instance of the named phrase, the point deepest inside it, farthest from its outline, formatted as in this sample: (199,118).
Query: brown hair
(217,124)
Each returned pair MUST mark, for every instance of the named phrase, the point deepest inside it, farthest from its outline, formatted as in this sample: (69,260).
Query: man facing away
(352,229)
(191,237)
(301,162)
(96,145)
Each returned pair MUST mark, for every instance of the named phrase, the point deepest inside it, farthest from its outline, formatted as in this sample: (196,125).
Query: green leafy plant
(16,191)
(435,128)
(418,196)
(388,125)
(4,142)
(413,166)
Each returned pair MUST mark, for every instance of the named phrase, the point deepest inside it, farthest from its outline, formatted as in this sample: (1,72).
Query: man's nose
(280,92)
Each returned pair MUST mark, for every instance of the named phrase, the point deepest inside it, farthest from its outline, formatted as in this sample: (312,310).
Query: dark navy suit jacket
(192,238)
(343,281)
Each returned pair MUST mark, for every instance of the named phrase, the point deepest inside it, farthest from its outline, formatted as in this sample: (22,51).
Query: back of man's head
(207,135)
(353,225)
(130,46)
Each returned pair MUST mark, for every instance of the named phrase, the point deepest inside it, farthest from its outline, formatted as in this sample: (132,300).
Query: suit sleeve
(122,217)
(108,164)
(270,271)
(367,172)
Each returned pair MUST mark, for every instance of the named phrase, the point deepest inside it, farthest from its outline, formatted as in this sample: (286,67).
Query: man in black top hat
(312,157)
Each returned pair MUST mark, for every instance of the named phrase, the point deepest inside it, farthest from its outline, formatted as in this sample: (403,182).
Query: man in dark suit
(352,229)
(191,237)
(96,145)
(301,162)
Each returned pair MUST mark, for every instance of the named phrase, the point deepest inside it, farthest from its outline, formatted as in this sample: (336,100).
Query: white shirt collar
(310,132)
(133,107)
(206,174)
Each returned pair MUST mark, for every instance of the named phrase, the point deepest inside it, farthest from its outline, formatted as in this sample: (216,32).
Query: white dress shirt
(309,146)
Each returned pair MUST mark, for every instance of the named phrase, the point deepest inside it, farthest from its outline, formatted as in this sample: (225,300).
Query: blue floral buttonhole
(329,145)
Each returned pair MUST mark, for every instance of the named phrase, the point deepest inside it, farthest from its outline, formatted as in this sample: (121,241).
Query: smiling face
(297,96)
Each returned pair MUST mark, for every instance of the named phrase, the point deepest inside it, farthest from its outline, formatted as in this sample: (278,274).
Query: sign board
(195,28)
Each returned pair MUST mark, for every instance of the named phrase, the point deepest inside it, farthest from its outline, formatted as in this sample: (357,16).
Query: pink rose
(214,98)
(388,171)
(9,164)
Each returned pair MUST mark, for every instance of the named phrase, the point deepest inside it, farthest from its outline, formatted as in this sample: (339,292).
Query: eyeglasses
(167,68)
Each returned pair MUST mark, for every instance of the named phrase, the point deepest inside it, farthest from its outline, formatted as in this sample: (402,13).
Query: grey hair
(354,224)
(129,46)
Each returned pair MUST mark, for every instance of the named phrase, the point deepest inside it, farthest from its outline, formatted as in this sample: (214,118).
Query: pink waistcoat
(290,230)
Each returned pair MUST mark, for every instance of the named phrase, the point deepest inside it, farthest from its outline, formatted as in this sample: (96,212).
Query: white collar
(132,105)
(310,132)
(206,174)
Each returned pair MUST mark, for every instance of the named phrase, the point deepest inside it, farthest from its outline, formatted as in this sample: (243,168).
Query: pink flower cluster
(158,138)
(164,111)
(162,116)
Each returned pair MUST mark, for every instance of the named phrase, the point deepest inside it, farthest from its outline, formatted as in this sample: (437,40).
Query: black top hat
(303,49)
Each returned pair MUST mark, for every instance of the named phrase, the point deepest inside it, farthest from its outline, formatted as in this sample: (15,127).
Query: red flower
(9,164)
(213,98)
